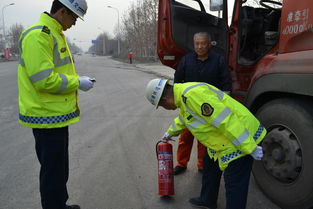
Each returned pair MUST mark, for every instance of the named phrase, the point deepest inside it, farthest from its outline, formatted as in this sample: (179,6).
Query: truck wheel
(285,174)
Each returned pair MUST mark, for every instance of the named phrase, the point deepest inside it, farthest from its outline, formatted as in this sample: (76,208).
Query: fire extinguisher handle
(156,148)
(167,140)
(160,141)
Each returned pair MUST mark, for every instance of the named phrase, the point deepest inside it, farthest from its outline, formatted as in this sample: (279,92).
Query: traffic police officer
(48,84)
(228,130)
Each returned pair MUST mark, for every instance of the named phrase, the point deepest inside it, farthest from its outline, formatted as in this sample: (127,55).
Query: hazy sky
(99,17)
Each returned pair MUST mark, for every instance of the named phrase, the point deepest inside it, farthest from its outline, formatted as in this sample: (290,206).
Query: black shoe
(197,202)
(178,170)
(72,207)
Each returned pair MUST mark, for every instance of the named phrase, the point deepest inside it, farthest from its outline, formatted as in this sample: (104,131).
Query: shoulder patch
(45,29)
(207,109)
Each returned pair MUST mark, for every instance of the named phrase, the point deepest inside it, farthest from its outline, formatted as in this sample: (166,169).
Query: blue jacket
(214,70)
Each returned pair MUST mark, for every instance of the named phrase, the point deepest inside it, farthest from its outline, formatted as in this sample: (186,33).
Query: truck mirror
(216,5)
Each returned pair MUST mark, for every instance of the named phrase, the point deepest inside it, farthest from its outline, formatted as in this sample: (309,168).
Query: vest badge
(63,50)
(207,109)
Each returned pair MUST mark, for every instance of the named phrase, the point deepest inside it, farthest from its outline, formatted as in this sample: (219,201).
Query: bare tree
(139,28)
(73,47)
(14,35)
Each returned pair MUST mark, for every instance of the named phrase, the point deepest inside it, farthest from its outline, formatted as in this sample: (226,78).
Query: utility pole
(118,29)
(3,25)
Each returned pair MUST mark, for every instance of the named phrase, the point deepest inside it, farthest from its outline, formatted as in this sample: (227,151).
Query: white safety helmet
(79,7)
(154,90)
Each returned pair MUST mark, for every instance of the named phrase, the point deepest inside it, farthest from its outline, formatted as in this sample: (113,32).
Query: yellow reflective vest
(47,80)
(227,128)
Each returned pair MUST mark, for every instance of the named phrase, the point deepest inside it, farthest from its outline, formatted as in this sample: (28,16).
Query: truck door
(179,20)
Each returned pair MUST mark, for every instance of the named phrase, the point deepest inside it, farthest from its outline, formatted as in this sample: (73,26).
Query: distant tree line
(13,36)
(104,45)
(138,32)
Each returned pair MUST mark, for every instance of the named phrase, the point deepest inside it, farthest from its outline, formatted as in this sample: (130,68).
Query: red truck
(269,47)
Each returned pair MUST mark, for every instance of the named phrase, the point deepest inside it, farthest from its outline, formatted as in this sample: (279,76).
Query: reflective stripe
(200,121)
(174,126)
(258,132)
(219,119)
(41,75)
(195,116)
(213,152)
(64,83)
(219,93)
(50,119)
(241,138)
(181,119)
(194,124)
(191,87)
(21,61)
(230,156)
(58,62)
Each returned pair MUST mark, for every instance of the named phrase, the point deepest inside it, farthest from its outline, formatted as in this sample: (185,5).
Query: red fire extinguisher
(164,152)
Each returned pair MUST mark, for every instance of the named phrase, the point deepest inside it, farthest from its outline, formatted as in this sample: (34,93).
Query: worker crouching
(228,130)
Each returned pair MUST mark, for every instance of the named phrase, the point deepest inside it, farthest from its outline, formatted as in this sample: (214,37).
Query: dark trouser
(236,177)
(52,153)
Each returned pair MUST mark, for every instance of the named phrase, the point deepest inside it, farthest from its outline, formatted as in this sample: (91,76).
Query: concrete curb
(157,69)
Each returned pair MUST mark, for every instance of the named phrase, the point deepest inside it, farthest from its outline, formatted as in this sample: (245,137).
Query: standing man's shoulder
(218,57)
(214,55)
(190,55)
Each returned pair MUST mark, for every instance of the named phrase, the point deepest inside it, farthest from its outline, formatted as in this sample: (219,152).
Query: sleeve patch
(207,109)
(45,29)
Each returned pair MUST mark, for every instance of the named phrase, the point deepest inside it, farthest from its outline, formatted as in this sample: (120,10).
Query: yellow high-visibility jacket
(47,80)
(227,128)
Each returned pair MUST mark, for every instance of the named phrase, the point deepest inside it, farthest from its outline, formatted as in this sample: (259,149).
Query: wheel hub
(278,154)
(282,154)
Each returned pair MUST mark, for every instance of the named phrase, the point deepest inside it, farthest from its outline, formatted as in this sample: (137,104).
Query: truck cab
(269,48)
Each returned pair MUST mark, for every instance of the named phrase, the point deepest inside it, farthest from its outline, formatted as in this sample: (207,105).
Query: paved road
(112,150)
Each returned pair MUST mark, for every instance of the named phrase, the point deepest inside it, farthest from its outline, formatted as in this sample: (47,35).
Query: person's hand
(257,153)
(166,137)
(85,83)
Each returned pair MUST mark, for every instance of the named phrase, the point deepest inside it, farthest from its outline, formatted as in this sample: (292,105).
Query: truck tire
(285,174)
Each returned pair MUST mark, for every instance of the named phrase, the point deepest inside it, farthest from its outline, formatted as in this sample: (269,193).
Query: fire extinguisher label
(165,166)
(165,156)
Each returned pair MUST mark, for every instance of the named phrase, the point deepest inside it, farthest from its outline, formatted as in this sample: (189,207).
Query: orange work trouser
(184,149)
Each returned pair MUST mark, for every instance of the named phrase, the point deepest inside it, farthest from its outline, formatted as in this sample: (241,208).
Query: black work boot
(178,170)
(197,202)
(72,207)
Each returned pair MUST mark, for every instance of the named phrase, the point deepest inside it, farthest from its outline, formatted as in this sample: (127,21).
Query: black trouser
(52,153)
(236,177)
